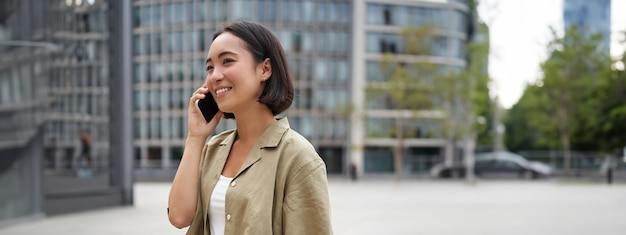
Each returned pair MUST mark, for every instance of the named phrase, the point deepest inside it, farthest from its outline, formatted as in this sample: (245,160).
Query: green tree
(521,134)
(406,87)
(575,67)
(610,125)
(414,86)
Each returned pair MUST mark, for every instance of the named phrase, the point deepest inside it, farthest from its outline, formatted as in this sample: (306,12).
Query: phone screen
(207,107)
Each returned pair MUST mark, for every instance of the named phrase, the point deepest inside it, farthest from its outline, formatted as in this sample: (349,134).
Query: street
(386,206)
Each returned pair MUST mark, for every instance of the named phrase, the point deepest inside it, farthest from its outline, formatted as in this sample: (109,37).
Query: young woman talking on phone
(262,177)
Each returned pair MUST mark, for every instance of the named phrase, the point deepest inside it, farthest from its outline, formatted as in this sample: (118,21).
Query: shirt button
(232,184)
(228,217)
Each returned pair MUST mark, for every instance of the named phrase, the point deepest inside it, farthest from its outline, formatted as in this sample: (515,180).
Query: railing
(582,164)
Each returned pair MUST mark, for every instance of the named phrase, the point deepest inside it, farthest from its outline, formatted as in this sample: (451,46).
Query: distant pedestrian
(85,152)
(263,177)
(353,172)
(85,163)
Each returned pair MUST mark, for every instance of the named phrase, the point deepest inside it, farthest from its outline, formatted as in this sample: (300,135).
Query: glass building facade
(333,48)
(78,87)
(377,31)
(54,84)
(590,16)
(170,42)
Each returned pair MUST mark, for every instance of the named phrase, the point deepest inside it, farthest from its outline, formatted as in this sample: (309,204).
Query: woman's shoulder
(296,149)
(295,140)
(220,137)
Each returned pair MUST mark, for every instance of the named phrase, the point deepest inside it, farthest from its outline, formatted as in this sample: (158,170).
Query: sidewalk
(377,206)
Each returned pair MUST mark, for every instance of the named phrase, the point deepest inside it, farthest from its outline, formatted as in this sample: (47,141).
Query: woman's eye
(228,61)
(208,67)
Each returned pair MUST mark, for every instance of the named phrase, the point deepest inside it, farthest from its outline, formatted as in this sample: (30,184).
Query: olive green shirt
(281,187)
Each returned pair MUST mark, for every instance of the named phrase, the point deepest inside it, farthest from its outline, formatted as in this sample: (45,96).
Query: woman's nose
(215,75)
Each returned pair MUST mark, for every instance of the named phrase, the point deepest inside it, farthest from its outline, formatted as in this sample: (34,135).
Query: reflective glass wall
(77,129)
(383,24)
(170,42)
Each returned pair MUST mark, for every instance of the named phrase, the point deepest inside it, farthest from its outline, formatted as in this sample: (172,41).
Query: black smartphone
(207,107)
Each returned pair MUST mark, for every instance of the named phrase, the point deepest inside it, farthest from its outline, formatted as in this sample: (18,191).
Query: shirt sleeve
(306,208)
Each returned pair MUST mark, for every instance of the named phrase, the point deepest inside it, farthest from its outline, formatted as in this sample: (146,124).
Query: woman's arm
(184,192)
(307,206)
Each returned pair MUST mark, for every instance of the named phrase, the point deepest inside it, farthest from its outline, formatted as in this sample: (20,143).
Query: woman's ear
(266,69)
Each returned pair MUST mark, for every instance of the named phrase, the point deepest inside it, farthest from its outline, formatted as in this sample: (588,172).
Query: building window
(241,9)
(136,128)
(308,8)
(387,15)
(200,9)
(137,99)
(137,11)
(383,43)
(266,10)
(190,12)
(378,159)
(158,15)
(297,41)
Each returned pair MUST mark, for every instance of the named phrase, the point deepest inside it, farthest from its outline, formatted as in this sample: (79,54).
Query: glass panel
(200,8)
(157,99)
(242,9)
(137,100)
(379,127)
(148,15)
(137,16)
(307,41)
(308,8)
(296,98)
(189,12)
(267,10)
(374,72)
(192,41)
(374,14)
(149,100)
(137,73)
(158,15)
(159,71)
(179,13)
(178,43)
(306,127)
(170,42)
(321,94)
(345,12)
(378,159)
(137,45)
(321,70)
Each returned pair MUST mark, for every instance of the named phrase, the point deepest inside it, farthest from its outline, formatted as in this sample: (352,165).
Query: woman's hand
(196,125)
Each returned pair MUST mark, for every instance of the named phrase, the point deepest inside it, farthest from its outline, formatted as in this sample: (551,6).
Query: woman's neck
(252,124)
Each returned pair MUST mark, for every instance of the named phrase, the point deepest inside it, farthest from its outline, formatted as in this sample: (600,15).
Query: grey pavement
(386,206)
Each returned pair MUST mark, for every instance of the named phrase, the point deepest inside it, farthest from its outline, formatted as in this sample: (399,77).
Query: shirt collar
(271,136)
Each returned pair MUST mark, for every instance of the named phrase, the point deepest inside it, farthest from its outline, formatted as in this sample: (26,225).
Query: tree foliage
(564,109)
(414,84)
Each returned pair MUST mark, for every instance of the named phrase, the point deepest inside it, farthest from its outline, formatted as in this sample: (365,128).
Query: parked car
(496,164)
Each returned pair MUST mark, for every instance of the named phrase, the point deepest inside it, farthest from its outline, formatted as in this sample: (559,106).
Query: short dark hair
(262,43)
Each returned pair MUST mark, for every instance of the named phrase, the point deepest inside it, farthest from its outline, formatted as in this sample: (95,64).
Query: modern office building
(170,42)
(591,17)
(58,78)
(377,26)
(119,74)
(334,49)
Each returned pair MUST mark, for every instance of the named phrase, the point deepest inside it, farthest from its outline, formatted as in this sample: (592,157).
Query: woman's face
(233,77)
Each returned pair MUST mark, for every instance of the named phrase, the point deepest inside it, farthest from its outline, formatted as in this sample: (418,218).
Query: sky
(519,33)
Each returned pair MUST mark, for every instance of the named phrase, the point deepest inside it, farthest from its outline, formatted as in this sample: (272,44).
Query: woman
(263,177)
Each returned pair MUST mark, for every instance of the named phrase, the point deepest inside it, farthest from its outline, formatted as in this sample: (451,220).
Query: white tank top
(217,206)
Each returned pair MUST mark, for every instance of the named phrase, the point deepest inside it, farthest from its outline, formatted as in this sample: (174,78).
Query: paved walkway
(377,206)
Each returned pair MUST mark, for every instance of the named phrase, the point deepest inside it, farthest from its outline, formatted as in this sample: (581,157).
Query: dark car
(495,164)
